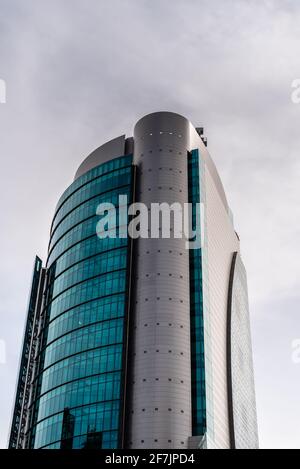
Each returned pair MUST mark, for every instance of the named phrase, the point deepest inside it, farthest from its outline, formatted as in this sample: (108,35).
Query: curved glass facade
(79,398)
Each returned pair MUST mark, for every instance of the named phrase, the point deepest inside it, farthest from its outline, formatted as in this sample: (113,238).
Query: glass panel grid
(79,388)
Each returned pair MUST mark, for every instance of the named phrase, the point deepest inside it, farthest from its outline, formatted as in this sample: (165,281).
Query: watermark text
(159,220)
(2,352)
(296,351)
(295,96)
(2,91)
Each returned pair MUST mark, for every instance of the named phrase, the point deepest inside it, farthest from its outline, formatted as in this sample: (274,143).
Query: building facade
(139,342)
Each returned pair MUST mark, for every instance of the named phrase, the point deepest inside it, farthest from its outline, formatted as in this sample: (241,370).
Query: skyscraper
(139,342)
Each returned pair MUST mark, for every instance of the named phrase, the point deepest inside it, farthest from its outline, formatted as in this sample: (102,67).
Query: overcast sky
(81,72)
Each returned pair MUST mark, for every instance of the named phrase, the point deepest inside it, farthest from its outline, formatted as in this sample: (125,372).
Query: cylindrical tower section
(160,407)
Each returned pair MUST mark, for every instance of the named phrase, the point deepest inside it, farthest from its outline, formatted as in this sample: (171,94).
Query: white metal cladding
(222,242)
(160,410)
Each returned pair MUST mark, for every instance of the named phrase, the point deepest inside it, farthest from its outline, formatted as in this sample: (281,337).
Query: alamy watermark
(2,352)
(296,351)
(159,220)
(295,96)
(2,91)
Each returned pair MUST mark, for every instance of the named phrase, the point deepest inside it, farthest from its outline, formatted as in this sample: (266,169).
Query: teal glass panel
(98,186)
(94,173)
(79,397)
(85,211)
(196,305)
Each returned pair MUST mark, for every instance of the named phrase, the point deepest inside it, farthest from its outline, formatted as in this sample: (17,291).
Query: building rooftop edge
(121,145)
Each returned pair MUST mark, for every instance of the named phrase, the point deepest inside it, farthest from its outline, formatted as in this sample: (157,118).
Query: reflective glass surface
(196,304)
(79,387)
(83,213)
